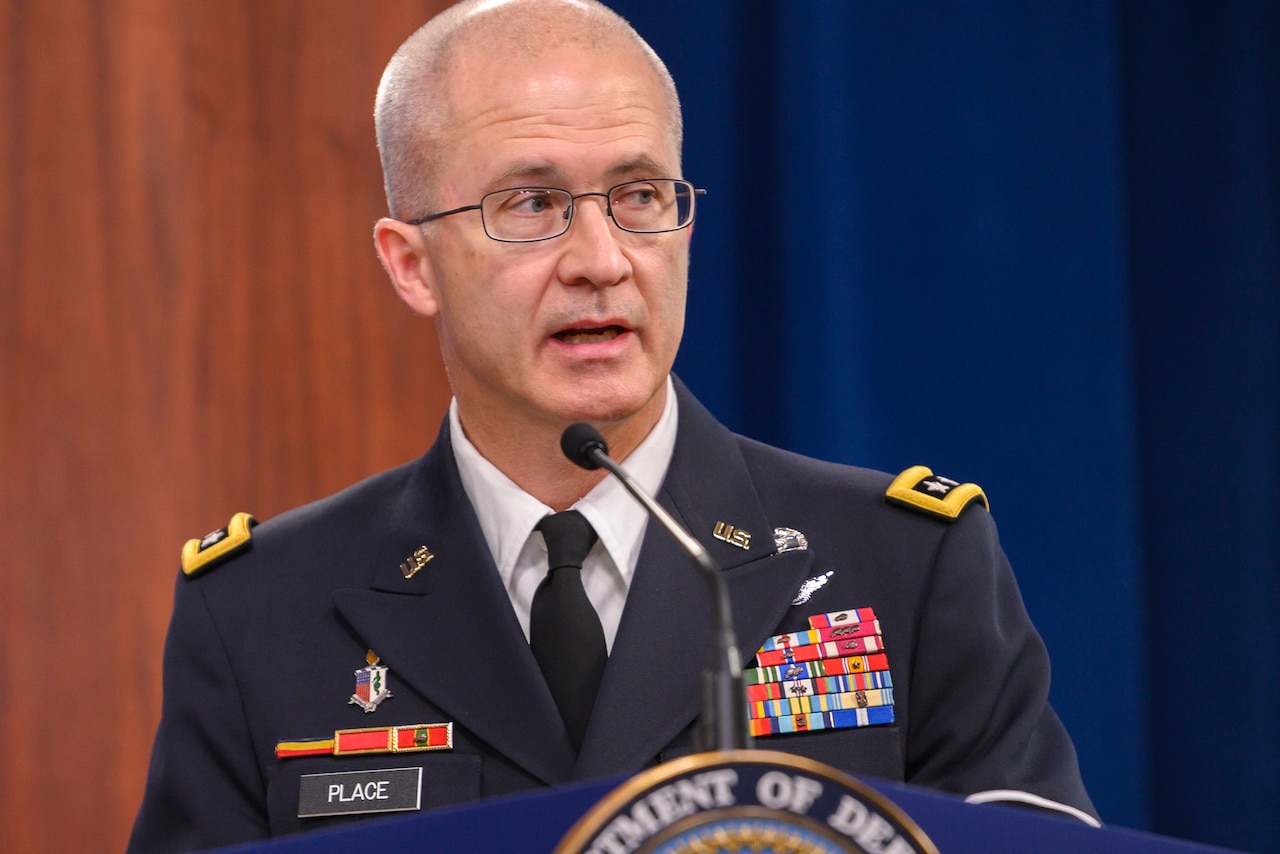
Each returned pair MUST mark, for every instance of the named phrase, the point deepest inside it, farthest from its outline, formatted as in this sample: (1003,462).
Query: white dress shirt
(508,514)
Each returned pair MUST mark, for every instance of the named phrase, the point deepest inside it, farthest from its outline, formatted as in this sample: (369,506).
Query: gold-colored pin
(416,561)
(731,535)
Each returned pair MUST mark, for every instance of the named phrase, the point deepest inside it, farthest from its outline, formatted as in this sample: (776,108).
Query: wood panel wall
(192,322)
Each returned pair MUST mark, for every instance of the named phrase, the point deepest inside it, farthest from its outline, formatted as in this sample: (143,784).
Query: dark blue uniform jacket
(263,648)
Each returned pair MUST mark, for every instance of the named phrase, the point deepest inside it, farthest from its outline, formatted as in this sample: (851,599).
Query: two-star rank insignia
(216,546)
(918,488)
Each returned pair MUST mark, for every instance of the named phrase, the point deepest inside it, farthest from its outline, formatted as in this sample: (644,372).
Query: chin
(607,405)
(598,413)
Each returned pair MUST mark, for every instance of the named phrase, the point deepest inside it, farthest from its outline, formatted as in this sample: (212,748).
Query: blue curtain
(1035,246)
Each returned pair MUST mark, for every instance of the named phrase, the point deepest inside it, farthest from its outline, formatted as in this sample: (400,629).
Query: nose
(592,254)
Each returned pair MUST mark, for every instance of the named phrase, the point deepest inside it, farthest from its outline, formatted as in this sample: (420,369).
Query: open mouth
(589,336)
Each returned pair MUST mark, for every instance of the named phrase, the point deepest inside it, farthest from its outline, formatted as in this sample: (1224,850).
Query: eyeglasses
(530,214)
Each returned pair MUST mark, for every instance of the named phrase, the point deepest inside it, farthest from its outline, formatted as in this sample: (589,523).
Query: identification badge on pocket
(356,792)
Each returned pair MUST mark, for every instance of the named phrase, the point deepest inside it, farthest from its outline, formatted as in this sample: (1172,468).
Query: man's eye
(528,203)
(638,197)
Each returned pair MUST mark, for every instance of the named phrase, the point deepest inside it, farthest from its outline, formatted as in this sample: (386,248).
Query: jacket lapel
(650,690)
(423,626)
(449,631)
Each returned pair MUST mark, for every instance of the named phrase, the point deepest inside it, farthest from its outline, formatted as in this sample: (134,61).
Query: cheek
(487,295)
(668,274)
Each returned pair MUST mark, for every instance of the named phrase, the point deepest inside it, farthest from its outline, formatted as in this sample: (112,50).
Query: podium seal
(761,801)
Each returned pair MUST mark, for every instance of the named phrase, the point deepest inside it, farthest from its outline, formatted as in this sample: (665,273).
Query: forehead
(565,113)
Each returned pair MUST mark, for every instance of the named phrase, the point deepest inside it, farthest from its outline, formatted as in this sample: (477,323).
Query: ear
(403,251)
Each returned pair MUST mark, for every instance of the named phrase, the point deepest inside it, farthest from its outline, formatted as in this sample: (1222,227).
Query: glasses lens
(526,213)
(653,205)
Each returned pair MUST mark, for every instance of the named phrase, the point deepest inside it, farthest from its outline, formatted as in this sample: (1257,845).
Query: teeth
(581,336)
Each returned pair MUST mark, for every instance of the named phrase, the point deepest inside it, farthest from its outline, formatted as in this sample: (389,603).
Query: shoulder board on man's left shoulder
(918,488)
(216,546)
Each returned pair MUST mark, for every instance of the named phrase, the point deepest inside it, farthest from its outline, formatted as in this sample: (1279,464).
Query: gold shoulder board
(920,489)
(217,546)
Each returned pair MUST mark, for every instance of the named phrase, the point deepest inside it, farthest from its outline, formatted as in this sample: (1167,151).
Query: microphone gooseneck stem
(723,725)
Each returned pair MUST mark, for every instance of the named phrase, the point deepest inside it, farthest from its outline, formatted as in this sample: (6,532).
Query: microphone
(723,723)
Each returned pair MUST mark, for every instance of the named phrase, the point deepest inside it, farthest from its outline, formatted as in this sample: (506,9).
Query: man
(539,216)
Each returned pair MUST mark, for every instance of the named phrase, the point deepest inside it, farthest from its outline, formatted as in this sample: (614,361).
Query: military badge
(831,676)
(810,587)
(789,540)
(371,684)
(410,738)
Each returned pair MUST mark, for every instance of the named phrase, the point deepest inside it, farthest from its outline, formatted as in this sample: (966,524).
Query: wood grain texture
(192,322)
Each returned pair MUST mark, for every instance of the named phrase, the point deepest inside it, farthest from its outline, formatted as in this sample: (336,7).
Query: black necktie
(564,629)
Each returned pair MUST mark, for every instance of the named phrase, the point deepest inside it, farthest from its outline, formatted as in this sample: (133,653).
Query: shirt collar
(507,514)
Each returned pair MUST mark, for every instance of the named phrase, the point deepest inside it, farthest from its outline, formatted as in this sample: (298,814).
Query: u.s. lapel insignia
(420,558)
(810,587)
(731,535)
(371,685)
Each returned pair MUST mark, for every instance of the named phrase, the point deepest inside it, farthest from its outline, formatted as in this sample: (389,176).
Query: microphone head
(580,442)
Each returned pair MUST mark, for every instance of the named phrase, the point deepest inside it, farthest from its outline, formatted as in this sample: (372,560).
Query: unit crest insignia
(371,684)
(918,488)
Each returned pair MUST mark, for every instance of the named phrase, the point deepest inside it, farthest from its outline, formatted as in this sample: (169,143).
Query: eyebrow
(526,170)
(641,164)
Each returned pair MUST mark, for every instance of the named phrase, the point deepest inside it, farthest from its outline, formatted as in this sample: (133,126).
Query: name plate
(355,792)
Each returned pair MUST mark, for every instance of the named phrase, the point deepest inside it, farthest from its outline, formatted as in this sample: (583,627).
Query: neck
(529,453)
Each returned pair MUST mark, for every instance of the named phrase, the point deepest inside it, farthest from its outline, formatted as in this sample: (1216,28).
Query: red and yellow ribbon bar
(380,739)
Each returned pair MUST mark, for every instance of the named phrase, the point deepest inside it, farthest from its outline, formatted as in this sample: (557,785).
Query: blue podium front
(536,822)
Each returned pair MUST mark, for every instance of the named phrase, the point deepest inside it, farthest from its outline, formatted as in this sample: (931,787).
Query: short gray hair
(411,114)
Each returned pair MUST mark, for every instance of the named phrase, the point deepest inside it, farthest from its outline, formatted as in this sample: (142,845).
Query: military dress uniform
(267,637)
